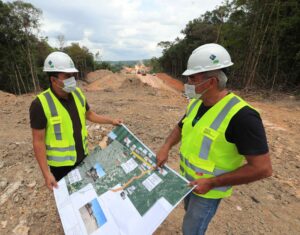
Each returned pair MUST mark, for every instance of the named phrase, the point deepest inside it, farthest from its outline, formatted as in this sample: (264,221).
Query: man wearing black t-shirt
(218,132)
(57,119)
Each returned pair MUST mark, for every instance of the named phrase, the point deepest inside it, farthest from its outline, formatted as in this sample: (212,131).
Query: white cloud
(119,29)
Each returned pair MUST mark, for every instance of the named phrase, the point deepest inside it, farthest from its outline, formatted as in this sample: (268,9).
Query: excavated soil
(151,109)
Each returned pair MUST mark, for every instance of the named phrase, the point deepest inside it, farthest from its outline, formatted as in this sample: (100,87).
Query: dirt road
(271,206)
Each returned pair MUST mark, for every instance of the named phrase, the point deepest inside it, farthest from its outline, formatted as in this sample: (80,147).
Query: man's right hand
(50,181)
(162,156)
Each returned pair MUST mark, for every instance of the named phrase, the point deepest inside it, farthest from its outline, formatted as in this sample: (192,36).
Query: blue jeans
(199,212)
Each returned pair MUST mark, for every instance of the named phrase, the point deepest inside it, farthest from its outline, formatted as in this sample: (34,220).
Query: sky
(118,29)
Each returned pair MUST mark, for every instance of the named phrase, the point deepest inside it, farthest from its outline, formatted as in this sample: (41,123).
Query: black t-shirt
(38,120)
(245,130)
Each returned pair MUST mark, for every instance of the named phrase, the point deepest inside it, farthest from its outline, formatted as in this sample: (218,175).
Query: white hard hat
(206,58)
(59,62)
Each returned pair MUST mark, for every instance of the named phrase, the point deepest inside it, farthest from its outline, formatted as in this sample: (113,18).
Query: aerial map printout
(117,190)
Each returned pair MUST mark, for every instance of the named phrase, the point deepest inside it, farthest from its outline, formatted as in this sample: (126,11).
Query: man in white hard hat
(218,132)
(58,121)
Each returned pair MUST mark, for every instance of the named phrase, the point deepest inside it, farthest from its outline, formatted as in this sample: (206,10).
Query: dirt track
(271,206)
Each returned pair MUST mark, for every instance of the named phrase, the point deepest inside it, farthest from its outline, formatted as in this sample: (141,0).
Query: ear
(52,79)
(214,81)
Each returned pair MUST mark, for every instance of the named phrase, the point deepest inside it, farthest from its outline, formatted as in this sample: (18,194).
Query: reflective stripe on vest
(206,143)
(71,148)
(60,159)
(192,107)
(57,127)
(216,172)
(76,92)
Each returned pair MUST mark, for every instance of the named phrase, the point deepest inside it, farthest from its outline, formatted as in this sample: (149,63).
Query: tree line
(22,53)
(261,36)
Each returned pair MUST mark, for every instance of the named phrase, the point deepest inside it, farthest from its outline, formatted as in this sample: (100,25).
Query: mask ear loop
(57,84)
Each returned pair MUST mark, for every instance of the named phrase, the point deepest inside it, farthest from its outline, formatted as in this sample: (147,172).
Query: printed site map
(118,190)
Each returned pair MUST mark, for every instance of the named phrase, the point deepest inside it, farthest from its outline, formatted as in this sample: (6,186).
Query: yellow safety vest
(204,148)
(60,143)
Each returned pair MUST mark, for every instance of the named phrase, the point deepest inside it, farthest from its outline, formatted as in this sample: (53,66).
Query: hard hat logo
(59,62)
(51,64)
(212,57)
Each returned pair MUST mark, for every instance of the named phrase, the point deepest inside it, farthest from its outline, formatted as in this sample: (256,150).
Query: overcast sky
(119,29)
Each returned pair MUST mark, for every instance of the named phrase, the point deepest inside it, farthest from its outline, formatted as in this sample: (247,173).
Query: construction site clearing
(151,106)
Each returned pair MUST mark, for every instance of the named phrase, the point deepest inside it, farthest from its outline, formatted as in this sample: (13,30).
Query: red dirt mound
(174,83)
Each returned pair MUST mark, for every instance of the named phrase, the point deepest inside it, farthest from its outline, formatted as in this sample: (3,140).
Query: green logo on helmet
(51,64)
(213,58)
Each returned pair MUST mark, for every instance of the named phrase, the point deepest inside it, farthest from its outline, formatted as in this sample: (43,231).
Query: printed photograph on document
(74,176)
(92,216)
(95,172)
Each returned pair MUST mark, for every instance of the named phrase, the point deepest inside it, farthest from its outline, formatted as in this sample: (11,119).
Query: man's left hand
(202,185)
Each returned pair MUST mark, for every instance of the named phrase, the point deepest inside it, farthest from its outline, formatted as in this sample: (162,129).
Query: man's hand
(117,121)
(50,181)
(162,156)
(202,185)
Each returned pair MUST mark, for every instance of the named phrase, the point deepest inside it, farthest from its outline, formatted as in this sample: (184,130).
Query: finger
(196,189)
(55,184)
(118,122)
(161,163)
(158,164)
(49,186)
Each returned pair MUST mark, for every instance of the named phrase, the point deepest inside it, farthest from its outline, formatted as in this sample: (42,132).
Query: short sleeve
(247,132)
(38,119)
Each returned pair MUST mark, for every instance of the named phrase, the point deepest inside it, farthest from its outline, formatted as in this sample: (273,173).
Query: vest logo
(210,133)
(207,131)
(55,120)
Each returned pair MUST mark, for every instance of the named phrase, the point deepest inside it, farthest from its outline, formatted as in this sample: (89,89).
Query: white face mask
(190,90)
(69,84)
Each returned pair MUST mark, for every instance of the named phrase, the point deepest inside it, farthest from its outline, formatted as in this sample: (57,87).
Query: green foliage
(102,65)
(17,45)
(263,39)
(83,59)
(154,63)
(128,63)
(116,67)
(22,53)
(261,36)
